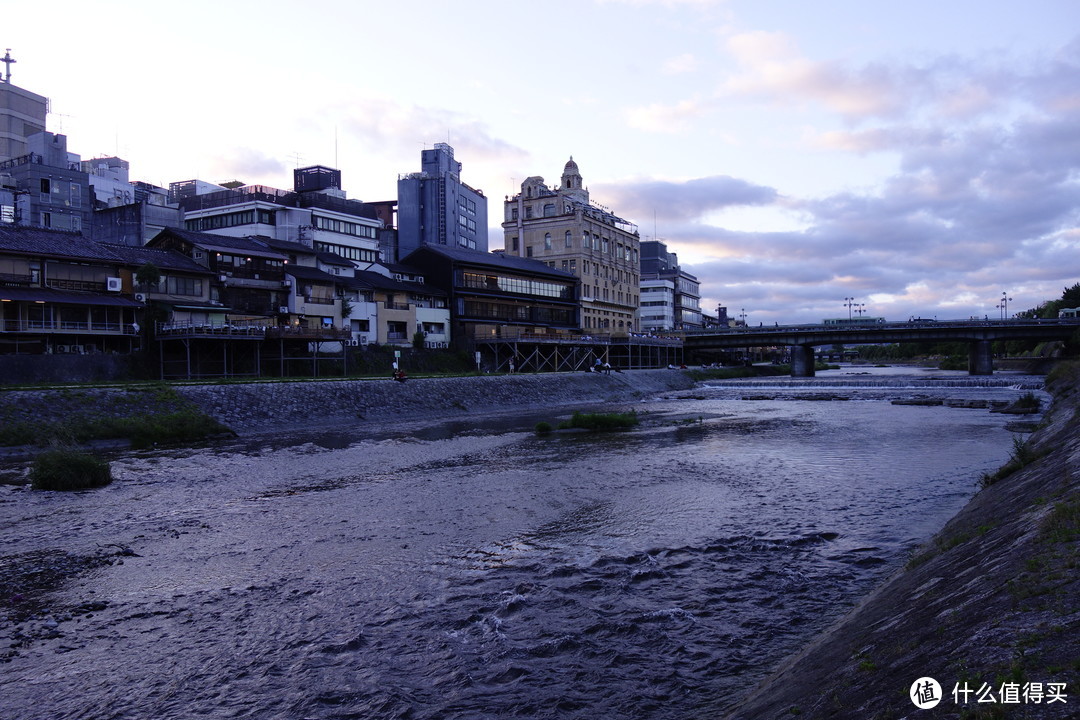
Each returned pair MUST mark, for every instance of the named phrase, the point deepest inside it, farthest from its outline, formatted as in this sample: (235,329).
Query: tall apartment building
(435,208)
(670,296)
(22,114)
(562,227)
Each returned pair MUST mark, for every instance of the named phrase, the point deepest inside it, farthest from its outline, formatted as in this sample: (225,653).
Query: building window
(528,251)
(547,241)
(569,239)
(549,210)
(514,244)
(528,211)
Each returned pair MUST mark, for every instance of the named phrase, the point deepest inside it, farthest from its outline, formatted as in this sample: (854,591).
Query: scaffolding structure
(573,353)
(193,351)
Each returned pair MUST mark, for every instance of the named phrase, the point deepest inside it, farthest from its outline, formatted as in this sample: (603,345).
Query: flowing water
(477,570)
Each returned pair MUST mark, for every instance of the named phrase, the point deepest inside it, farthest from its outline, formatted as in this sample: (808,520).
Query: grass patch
(144,415)
(1022,455)
(68,469)
(601,421)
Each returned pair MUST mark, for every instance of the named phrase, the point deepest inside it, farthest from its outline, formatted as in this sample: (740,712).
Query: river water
(473,569)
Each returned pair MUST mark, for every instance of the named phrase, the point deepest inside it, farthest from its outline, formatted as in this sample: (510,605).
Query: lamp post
(860,309)
(742,316)
(849,302)
(1005,305)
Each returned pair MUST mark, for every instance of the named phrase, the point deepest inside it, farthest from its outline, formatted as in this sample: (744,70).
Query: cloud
(773,70)
(662,118)
(687,200)
(380,123)
(681,64)
(247,165)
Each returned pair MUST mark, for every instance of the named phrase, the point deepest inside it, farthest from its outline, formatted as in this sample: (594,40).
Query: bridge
(979,334)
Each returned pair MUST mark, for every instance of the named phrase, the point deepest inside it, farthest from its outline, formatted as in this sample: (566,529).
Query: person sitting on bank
(400,376)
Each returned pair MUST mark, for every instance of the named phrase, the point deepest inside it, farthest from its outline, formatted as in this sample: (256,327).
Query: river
(474,569)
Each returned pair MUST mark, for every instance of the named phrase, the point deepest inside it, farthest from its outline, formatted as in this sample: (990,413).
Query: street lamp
(1005,299)
(848,303)
(742,316)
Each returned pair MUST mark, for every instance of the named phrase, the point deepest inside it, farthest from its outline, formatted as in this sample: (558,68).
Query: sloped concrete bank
(260,407)
(993,599)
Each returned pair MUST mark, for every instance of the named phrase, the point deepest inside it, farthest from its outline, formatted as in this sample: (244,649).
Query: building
(61,294)
(316,213)
(670,296)
(493,295)
(563,228)
(52,181)
(435,208)
(22,114)
(248,277)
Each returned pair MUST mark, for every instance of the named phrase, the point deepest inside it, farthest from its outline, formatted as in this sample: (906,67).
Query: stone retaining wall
(254,407)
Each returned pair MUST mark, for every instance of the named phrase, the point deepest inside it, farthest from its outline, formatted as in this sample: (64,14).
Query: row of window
(343,227)
(348,252)
(518,313)
(521,286)
(178,286)
(233,219)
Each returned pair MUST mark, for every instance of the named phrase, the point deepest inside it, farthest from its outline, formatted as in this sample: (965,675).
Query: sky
(805,160)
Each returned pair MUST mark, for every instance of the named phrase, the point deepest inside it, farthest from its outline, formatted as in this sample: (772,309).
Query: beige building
(563,228)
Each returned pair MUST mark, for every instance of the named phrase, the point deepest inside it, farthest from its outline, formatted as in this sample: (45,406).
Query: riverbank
(265,407)
(992,599)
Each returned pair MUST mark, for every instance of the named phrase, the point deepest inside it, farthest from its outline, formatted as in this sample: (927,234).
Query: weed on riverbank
(144,415)
(68,469)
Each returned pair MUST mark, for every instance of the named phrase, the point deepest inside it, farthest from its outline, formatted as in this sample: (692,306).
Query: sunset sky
(921,157)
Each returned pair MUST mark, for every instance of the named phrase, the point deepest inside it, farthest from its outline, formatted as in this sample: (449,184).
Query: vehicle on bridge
(853,322)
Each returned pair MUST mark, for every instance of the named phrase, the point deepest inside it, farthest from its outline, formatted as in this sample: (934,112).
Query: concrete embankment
(994,598)
(260,407)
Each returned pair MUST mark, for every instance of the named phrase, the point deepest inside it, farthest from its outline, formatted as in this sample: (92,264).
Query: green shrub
(602,421)
(66,469)
(543,428)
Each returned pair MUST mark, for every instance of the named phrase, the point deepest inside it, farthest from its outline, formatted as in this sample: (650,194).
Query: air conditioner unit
(223,278)
(286,283)
(284,310)
(141,297)
(114,284)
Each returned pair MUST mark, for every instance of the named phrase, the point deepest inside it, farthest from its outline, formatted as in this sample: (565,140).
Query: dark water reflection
(476,570)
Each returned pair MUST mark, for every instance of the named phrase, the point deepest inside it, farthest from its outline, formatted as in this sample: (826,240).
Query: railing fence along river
(474,569)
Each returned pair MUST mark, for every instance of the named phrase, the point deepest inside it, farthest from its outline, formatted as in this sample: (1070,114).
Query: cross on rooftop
(7,60)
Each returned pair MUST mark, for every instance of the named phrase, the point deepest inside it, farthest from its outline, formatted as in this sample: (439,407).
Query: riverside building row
(308,263)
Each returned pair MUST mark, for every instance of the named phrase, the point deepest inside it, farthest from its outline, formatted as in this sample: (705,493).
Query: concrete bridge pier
(981,358)
(802,361)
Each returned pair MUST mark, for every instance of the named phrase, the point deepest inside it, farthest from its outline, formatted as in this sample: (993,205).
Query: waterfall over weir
(1024,382)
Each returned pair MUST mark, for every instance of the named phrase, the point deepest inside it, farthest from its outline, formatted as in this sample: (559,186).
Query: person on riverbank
(399,375)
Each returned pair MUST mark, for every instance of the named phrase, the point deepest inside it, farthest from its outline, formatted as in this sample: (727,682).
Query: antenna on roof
(7,60)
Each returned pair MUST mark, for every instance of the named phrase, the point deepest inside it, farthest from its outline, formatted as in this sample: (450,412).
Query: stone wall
(254,407)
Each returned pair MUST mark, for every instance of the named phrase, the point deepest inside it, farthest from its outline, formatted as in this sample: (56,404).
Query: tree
(148,275)
(1071,297)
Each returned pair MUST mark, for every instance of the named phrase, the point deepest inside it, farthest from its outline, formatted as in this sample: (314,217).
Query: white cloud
(665,118)
(681,64)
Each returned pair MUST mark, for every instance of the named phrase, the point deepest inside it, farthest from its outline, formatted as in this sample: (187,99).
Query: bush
(601,421)
(66,469)
(543,428)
